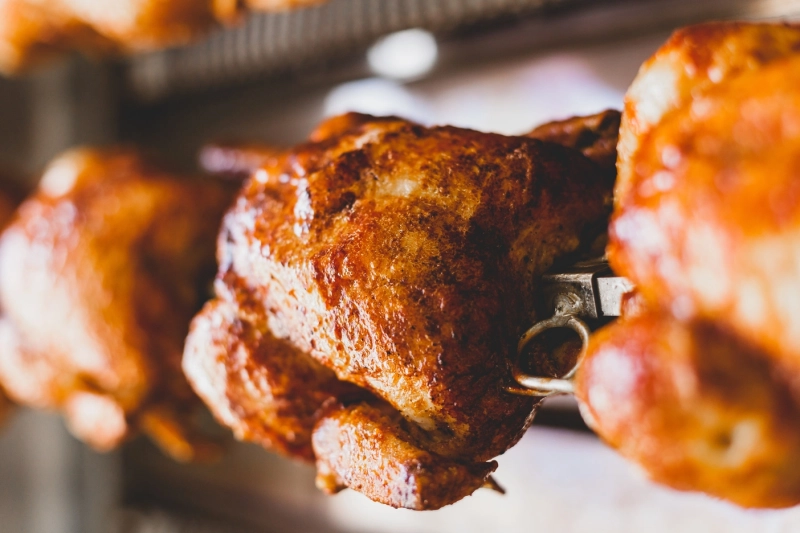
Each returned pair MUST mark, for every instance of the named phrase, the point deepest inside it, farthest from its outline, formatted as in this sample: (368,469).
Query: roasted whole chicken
(9,199)
(372,285)
(32,31)
(700,382)
(101,270)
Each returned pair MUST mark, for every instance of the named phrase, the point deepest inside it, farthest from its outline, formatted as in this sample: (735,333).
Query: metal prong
(542,386)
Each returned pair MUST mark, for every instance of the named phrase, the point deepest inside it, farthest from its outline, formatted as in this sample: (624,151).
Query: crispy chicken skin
(403,260)
(711,228)
(693,60)
(262,387)
(596,136)
(100,274)
(696,407)
(368,449)
(707,390)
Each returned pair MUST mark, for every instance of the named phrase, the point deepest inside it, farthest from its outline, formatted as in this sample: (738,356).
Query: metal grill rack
(268,43)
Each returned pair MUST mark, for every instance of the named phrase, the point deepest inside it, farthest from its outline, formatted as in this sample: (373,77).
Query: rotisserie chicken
(701,386)
(33,30)
(9,199)
(101,271)
(372,286)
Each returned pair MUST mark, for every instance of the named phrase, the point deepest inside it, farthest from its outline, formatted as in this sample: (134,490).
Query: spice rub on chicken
(372,285)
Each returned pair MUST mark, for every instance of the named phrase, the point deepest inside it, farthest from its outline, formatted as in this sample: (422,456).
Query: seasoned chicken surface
(693,60)
(372,286)
(596,136)
(34,30)
(9,199)
(702,386)
(100,273)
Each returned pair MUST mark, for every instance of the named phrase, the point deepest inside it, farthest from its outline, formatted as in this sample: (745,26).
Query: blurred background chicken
(100,273)
(372,286)
(10,198)
(32,31)
(701,383)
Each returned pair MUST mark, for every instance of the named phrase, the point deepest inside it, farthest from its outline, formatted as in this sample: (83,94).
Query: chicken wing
(100,274)
(702,388)
(402,260)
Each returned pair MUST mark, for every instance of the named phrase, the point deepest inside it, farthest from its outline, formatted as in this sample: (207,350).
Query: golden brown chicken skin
(100,273)
(696,407)
(596,136)
(369,448)
(9,200)
(260,386)
(405,260)
(712,226)
(701,387)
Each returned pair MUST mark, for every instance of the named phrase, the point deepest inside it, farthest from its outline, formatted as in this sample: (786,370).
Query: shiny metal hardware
(586,291)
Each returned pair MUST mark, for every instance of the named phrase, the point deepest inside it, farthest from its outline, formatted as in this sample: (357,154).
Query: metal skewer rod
(587,290)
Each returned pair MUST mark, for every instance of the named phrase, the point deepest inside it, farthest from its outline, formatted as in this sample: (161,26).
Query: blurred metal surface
(268,43)
(271,44)
(144,520)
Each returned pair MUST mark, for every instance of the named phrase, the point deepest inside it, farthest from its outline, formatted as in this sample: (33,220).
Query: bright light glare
(403,55)
(376,96)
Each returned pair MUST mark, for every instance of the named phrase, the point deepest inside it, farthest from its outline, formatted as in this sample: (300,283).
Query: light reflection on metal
(585,291)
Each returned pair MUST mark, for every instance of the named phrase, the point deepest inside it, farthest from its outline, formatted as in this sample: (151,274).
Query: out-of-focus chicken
(372,286)
(100,274)
(693,60)
(702,387)
(9,199)
(32,31)
(696,407)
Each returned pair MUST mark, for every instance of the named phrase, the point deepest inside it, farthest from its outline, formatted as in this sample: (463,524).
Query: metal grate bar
(267,43)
